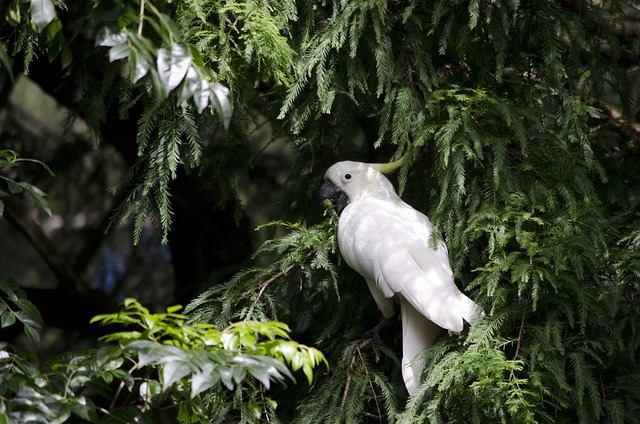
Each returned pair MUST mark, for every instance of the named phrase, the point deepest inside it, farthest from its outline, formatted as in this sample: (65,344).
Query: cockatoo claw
(376,332)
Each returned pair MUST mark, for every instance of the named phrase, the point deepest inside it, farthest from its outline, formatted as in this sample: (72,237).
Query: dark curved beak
(334,195)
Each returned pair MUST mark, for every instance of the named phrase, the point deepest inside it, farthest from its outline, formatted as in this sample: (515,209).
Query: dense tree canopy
(174,128)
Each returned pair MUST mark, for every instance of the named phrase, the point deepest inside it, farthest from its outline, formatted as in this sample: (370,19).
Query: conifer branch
(277,276)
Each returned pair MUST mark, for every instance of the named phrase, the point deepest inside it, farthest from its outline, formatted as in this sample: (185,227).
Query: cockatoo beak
(332,197)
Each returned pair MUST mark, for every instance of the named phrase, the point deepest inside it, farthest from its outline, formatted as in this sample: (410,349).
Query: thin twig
(141,17)
(264,285)
(604,398)
(522,321)
(375,398)
(347,384)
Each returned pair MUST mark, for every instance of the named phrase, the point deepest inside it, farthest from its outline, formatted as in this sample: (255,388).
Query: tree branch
(73,303)
(32,231)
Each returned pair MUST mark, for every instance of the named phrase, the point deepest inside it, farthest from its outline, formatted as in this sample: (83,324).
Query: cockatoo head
(347,182)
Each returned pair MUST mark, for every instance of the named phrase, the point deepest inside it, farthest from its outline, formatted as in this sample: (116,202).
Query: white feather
(387,242)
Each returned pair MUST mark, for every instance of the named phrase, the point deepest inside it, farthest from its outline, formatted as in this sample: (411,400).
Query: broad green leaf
(84,408)
(39,196)
(14,187)
(239,373)
(226,376)
(221,103)
(143,46)
(203,379)
(154,353)
(120,51)
(51,35)
(189,86)
(139,66)
(124,377)
(66,56)
(31,328)
(13,14)
(7,319)
(31,313)
(10,289)
(201,95)
(107,354)
(173,65)
(42,13)
(174,371)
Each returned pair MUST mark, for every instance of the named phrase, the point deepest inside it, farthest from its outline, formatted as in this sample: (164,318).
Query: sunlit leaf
(150,352)
(201,95)
(139,66)
(189,86)
(203,379)
(120,51)
(221,103)
(226,376)
(173,64)
(174,371)
(42,13)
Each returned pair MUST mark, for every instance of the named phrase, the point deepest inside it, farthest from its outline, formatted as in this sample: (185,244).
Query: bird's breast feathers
(384,239)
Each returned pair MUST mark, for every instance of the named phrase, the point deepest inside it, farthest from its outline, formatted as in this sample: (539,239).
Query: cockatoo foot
(376,332)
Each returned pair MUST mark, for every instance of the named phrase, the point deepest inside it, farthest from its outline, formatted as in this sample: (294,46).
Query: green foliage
(302,257)
(162,366)
(508,113)
(169,59)
(494,106)
(11,159)
(15,306)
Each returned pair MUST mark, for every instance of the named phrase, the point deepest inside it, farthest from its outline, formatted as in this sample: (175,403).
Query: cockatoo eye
(347,176)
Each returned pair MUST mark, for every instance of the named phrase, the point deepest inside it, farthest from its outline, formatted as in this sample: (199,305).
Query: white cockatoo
(387,242)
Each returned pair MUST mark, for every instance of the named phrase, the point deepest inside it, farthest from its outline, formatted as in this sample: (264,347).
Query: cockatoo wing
(387,241)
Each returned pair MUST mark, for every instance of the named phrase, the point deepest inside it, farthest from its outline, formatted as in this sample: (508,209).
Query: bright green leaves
(164,364)
(10,158)
(199,356)
(15,306)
